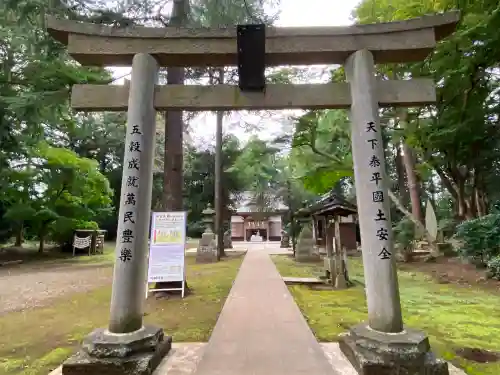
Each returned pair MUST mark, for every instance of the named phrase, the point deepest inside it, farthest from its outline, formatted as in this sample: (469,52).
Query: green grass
(453,316)
(35,341)
(53,257)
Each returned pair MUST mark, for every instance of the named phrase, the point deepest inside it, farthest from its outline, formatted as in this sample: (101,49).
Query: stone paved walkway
(261,331)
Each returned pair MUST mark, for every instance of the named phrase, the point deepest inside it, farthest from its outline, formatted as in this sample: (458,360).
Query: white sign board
(167,248)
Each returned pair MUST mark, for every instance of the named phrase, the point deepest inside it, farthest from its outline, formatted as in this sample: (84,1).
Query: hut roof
(329,204)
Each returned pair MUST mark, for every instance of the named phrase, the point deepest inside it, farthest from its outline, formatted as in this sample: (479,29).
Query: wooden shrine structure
(380,345)
(326,211)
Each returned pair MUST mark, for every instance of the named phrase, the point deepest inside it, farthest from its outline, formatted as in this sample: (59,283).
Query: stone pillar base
(284,243)
(377,353)
(207,248)
(105,353)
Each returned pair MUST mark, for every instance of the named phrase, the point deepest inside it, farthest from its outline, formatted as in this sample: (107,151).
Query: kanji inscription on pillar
(130,191)
(377,174)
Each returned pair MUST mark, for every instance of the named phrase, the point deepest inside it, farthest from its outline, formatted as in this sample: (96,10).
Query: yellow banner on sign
(167,236)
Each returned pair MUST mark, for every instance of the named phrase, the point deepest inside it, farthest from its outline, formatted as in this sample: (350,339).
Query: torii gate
(381,344)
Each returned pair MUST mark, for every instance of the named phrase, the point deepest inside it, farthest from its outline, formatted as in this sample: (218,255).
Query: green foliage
(257,167)
(63,228)
(494,268)
(321,149)
(480,238)
(404,233)
(321,179)
(458,137)
(20,212)
(70,191)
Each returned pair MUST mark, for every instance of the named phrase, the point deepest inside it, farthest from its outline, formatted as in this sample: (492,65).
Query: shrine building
(248,220)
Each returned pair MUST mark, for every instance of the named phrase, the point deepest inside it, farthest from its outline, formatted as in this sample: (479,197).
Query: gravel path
(23,288)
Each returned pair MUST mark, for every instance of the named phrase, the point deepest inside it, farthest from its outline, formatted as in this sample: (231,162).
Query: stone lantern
(208,219)
(207,249)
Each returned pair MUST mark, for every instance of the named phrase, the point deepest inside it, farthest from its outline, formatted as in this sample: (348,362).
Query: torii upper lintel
(392,42)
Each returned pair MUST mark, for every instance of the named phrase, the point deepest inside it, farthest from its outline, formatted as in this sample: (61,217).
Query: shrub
(494,268)
(447,227)
(404,234)
(195,229)
(480,238)
(62,230)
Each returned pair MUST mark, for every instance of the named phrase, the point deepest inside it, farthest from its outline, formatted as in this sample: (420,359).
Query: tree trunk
(219,201)
(463,211)
(174,129)
(413,183)
(41,245)
(172,173)
(482,209)
(19,236)
(400,171)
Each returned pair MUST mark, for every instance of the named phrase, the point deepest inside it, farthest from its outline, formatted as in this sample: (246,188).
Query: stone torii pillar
(127,346)
(382,345)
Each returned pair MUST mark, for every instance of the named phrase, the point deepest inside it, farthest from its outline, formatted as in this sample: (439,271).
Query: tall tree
(223,13)
(458,137)
(174,126)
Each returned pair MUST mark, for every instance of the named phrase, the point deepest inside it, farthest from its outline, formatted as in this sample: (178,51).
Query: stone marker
(128,347)
(383,346)
(285,240)
(305,250)
(228,242)
(207,246)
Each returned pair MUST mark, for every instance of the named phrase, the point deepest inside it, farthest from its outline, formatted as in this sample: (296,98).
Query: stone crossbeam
(416,92)
(393,42)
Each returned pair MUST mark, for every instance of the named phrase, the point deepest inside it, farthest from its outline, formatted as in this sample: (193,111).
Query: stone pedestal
(330,266)
(285,241)
(105,353)
(305,250)
(228,242)
(207,248)
(377,353)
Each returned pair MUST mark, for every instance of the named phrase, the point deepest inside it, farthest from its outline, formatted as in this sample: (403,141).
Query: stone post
(340,280)
(314,230)
(329,260)
(383,346)
(382,293)
(135,203)
(127,346)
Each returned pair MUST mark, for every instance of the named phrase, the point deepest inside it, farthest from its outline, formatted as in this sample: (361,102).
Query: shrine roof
(329,204)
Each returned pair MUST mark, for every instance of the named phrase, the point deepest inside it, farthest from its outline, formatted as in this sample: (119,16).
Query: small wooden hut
(335,231)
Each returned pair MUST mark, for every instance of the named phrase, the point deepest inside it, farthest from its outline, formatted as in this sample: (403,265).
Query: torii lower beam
(416,92)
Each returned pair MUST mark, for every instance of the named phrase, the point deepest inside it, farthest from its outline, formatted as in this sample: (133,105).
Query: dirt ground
(25,287)
(452,270)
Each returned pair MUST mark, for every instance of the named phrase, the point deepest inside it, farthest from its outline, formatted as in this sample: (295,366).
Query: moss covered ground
(453,316)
